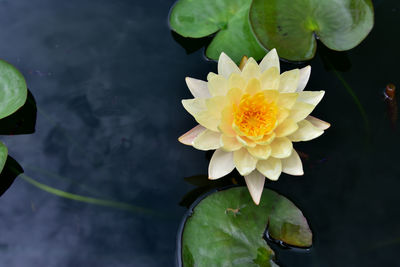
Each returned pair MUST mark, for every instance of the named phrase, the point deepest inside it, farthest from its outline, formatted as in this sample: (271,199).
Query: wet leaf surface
(226,229)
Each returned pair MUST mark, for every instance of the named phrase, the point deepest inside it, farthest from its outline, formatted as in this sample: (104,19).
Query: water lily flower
(251,116)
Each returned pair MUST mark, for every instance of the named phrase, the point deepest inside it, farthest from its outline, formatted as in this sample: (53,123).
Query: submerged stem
(351,93)
(80,198)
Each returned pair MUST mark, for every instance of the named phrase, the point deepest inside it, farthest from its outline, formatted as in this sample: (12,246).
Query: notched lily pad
(227,229)
(292,26)
(227,19)
(13,90)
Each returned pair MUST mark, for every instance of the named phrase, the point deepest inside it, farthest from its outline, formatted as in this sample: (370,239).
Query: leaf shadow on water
(23,121)
(191,45)
(10,171)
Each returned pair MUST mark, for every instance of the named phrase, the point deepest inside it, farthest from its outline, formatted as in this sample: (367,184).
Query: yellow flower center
(255,115)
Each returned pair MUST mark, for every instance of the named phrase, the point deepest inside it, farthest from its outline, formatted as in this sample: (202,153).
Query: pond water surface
(108,78)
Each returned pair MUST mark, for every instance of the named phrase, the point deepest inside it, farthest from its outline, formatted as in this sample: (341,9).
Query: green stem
(90,200)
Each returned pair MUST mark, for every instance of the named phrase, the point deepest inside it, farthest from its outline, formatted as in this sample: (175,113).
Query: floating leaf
(227,18)
(3,155)
(292,26)
(227,229)
(13,90)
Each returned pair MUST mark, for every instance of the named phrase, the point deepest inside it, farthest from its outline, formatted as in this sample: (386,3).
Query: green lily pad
(292,26)
(227,229)
(13,89)
(227,19)
(3,155)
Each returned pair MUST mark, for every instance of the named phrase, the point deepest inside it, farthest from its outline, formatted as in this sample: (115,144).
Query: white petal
(289,81)
(323,125)
(194,106)
(304,77)
(189,136)
(226,66)
(292,165)
(244,162)
(218,85)
(207,140)
(270,60)
(255,183)
(306,132)
(221,164)
(198,88)
(270,168)
(281,147)
(300,111)
(311,97)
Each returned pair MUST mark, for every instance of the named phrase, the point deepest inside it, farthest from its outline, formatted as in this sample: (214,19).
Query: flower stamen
(255,115)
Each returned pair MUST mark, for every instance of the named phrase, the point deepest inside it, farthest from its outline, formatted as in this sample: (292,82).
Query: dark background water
(108,78)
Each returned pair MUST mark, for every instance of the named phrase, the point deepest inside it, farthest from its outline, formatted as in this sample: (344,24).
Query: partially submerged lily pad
(3,155)
(227,19)
(13,89)
(227,229)
(292,26)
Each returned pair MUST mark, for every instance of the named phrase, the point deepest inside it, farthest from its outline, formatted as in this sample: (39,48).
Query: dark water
(108,78)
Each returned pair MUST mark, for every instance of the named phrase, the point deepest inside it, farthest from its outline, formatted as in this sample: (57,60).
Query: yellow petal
(270,168)
(260,151)
(306,132)
(221,164)
(253,86)
(210,75)
(287,100)
(292,165)
(270,79)
(230,143)
(207,140)
(271,95)
(255,183)
(323,125)
(303,79)
(236,81)
(283,114)
(244,162)
(300,111)
(289,81)
(208,120)
(225,125)
(251,70)
(281,147)
(286,128)
(234,95)
(218,85)
(198,88)
(311,97)
(211,117)
(188,137)
(194,106)
(270,60)
(226,66)
(246,141)
(267,139)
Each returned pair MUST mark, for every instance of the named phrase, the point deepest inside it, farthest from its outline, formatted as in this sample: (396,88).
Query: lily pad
(3,155)
(292,26)
(227,19)
(227,229)
(13,89)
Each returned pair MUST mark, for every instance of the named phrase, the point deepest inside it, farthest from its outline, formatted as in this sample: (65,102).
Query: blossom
(251,116)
